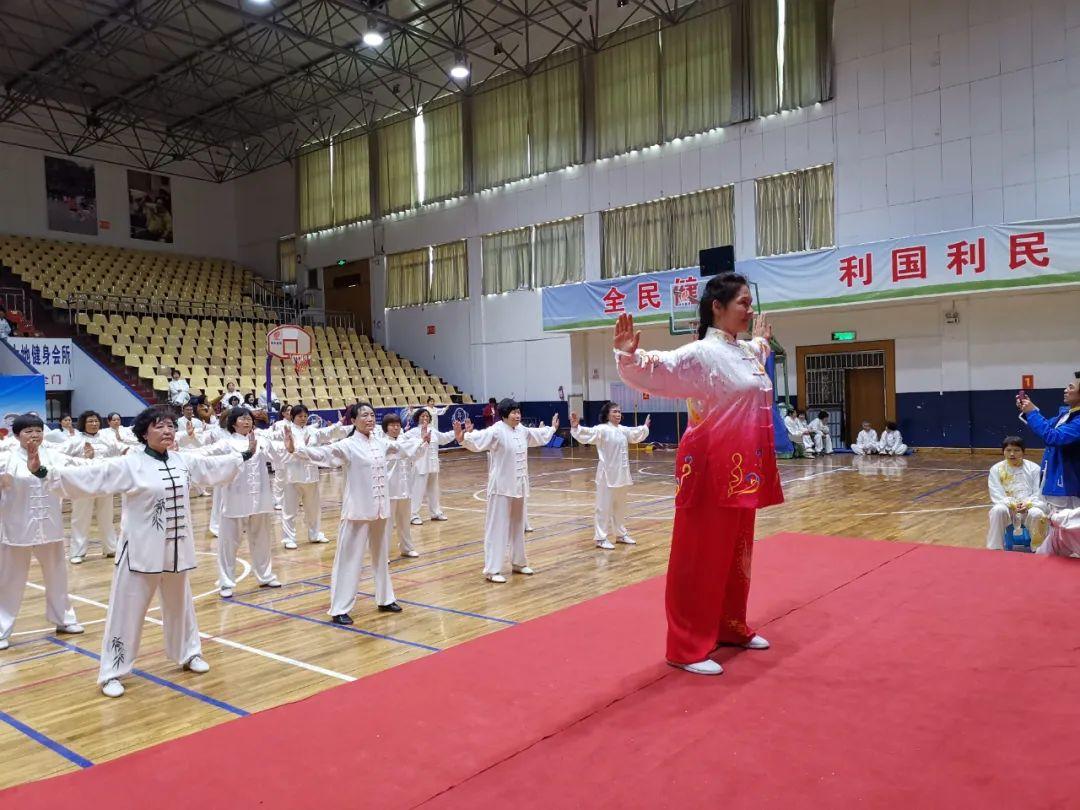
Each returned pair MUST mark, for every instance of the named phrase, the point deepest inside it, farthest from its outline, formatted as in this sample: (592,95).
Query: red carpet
(901,676)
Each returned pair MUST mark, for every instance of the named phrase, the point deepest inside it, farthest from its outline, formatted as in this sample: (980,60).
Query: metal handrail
(15,298)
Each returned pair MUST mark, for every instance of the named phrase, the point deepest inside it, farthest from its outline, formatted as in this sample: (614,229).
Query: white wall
(11,363)
(97,389)
(204,214)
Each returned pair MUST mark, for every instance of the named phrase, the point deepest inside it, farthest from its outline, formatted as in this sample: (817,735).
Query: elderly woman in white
(103,444)
(300,485)
(612,439)
(425,472)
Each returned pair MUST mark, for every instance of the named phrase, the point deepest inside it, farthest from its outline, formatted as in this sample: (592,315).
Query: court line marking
(923,511)
(31,658)
(48,742)
(966,478)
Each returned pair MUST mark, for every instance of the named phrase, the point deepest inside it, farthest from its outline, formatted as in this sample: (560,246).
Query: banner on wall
(20,394)
(986,258)
(70,196)
(50,357)
(150,206)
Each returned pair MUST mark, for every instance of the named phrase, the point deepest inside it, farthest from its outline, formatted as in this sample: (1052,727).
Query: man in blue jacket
(1061,434)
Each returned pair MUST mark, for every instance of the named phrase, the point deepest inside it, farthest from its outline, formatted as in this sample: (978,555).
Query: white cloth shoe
(322,538)
(706,667)
(76,560)
(630,541)
(439,517)
(274,583)
(410,554)
(605,544)
(499,578)
(226,593)
(197,665)
(289,544)
(523,569)
(416,522)
(112,688)
(529,529)
(757,643)
(4,643)
(71,629)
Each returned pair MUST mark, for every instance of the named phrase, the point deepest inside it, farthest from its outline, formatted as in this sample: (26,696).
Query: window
(287,260)
(397,167)
(628,91)
(334,184)
(507,259)
(316,202)
(428,275)
(534,257)
(794,211)
(439,140)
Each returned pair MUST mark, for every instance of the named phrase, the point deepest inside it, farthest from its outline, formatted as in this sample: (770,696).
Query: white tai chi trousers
(400,512)
(610,511)
(1001,516)
(822,443)
(354,538)
(215,511)
(258,529)
(1055,542)
(279,486)
(83,511)
(295,496)
(504,525)
(426,485)
(128,601)
(15,565)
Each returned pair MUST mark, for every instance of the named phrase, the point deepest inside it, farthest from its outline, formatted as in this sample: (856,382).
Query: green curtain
(807,52)
(818,208)
(555,125)
(636,239)
(507,260)
(500,134)
(397,167)
(316,204)
(406,278)
(560,252)
(777,214)
(351,180)
(702,220)
(444,171)
(628,91)
(763,27)
(699,72)
(449,273)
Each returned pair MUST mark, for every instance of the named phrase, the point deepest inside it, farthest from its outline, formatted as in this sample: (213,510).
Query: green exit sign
(843,336)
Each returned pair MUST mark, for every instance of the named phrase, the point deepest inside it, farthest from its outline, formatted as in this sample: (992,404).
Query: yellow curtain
(628,91)
(555,126)
(287,260)
(352,181)
(500,134)
(699,72)
(818,209)
(702,220)
(763,26)
(444,172)
(636,239)
(807,52)
(406,278)
(560,253)
(397,167)
(449,273)
(316,206)
(779,226)
(507,260)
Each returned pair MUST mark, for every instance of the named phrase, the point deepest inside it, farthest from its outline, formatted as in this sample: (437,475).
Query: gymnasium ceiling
(215,89)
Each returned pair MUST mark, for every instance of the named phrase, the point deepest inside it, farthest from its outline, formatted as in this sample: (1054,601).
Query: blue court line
(48,742)
(327,623)
(30,658)
(429,607)
(981,474)
(183,690)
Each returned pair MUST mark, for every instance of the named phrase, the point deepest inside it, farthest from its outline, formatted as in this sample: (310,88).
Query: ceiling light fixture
(373,38)
(460,70)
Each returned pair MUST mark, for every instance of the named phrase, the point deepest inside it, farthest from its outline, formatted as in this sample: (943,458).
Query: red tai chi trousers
(708,581)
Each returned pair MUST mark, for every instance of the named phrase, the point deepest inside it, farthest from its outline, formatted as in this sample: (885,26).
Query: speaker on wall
(717,260)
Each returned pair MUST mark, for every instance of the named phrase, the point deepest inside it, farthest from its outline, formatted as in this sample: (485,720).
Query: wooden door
(349,288)
(865,400)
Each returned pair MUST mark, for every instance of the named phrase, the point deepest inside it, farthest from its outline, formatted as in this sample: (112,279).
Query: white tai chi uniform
(179,392)
(798,435)
(365,513)
(1011,487)
(892,443)
(124,436)
(199,427)
(612,473)
(1064,537)
(822,437)
(209,434)
(507,489)
(84,510)
(866,443)
(32,523)
(399,483)
(157,547)
(301,484)
(60,436)
(425,473)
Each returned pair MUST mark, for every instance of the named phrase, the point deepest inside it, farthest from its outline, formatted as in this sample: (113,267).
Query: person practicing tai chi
(1014,493)
(365,509)
(399,481)
(32,524)
(799,433)
(507,444)
(819,429)
(866,443)
(891,442)
(301,485)
(103,444)
(725,469)
(612,439)
(157,546)
(425,468)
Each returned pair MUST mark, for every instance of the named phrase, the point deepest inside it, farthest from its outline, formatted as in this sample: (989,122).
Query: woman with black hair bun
(725,469)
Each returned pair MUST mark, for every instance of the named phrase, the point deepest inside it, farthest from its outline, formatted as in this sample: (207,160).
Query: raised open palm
(626,339)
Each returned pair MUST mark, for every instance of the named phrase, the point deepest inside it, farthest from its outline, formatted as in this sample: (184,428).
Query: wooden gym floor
(268,647)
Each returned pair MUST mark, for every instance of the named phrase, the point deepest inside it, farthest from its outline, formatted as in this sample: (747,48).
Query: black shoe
(393,607)
(341,618)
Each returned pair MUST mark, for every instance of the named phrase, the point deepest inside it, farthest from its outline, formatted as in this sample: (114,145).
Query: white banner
(49,356)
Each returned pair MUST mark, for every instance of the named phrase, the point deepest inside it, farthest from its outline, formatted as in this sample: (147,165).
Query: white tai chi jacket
(298,470)
(250,492)
(399,465)
(427,460)
(1011,486)
(155,520)
(508,455)
(30,514)
(819,426)
(366,492)
(890,441)
(612,446)
(794,426)
(60,436)
(867,440)
(104,443)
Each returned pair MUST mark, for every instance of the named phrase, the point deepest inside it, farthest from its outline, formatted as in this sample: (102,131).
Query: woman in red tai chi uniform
(725,469)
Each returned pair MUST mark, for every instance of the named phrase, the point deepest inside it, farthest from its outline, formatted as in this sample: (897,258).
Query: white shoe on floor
(76,560)
(274,583)
(289,544)
(529,529)
(499,578)
(523,569)
(322,538)
(757,643)
(605,544)
(630,541)
(416,522)
(439,517)
(410,554)
(4,643)
(112,688)
(197,665)
(226,593)
(706,667)
(71,629)
(214,532)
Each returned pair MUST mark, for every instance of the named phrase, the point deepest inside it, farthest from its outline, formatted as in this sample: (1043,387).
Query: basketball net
(301,363)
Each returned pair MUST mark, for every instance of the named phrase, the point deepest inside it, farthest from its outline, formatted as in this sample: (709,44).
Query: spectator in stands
(1061,435)
(250,402)
(179,389)
(230,397)
(491,412)
(5,325)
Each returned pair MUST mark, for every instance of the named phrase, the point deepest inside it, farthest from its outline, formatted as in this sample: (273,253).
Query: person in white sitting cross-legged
(866,443)
(1014,494)
(612,439)
(819,429)
(891,442)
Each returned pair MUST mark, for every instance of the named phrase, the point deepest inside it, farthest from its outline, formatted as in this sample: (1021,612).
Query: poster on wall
(18,395)
(70,196)
(50,357)
(150,206)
